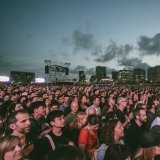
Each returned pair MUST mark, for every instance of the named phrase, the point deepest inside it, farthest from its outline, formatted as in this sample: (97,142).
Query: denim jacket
(102,150)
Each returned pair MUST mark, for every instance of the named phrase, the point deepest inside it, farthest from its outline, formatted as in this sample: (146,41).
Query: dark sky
(116,34)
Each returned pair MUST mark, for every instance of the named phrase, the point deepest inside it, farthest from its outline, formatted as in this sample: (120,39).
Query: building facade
(139,75)
(157,77)
(125,76)
(115,75)
(82,76)
(151,74)
(100,73)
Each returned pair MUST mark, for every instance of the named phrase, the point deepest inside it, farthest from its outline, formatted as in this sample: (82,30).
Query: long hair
(107,135)
(6,144)
(80,98)
(77,122)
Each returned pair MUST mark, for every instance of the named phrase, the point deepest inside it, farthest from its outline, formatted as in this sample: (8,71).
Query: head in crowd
(91,111)
(74,107)
(73,98)
(122,102)
(38,107)
(92,122)
(117,152)
(153,101)
(35,98)
(9,148)
(54,106)
(140,115)
(80,120)
(19,121)
(14,107)
(66,153)
(130,101)
(6,97)
(66,100)
(96,101)
(82,99)
(141,105)
(22,98)
(112,132)
(56,118)
(60,99)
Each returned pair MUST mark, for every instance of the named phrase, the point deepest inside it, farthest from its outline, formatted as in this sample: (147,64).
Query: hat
(149,139)
(156,130)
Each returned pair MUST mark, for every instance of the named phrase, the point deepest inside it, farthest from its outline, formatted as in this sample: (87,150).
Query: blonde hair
(146,153)
(6,144)
(77,122)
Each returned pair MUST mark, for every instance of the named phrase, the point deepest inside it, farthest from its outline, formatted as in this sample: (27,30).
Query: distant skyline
(115,34)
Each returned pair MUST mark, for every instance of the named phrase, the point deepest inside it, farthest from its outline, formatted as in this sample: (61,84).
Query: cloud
(65,41)
(149,46)
(113,51)
(77,69)
(90,71)
(97,50)
(132,63)
(82,41)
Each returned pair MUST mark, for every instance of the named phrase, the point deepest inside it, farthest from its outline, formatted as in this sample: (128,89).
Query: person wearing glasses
(122,104)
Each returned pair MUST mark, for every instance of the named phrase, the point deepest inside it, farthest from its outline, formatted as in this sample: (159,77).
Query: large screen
(39,80)
(4,79)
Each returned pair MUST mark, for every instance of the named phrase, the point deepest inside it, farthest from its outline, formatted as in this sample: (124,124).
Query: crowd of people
(41,122)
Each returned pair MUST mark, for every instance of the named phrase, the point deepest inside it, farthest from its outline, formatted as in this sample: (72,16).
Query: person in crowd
(122,103)
(14,97)
(91,111)
(78,124)
(10,148)
(72,115)
(95,105)
(88,138)
(58,132)
(135,129)
(82,102)
(19,123)
(2,125)
(149,145)
(112,133)
(151,111)
(60,100)
(102,102)
(14,107)
(157,119)
(53,106)
(117,152)
(37,118)
(65,104)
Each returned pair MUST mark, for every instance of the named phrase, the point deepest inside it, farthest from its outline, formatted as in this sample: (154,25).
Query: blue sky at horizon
(116,34)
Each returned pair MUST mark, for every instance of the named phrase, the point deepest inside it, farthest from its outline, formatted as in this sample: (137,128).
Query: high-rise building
(125,76)
(82,76)
(93,79)
(100,72)
(115,75)
(139,75)
(157,77)
(151,74)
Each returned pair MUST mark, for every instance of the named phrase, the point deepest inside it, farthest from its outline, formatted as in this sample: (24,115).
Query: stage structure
(56,71)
